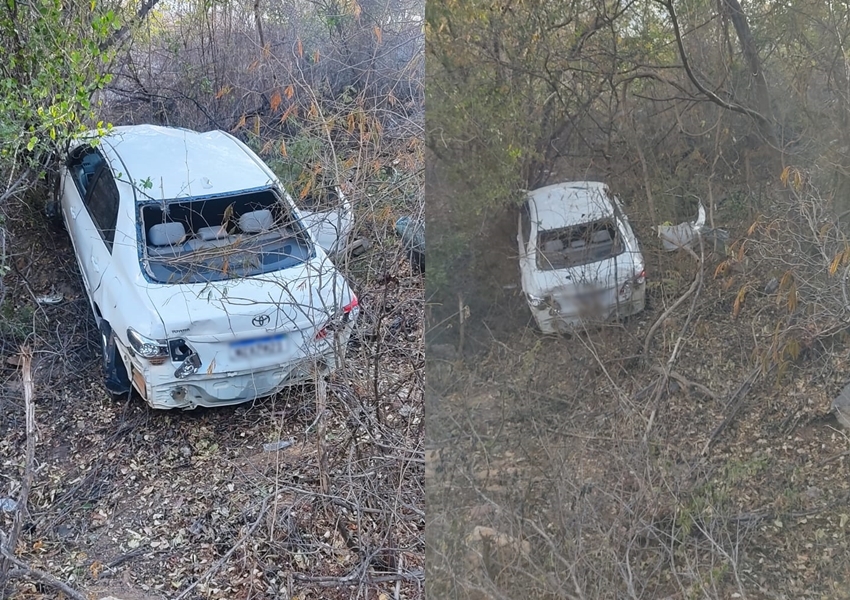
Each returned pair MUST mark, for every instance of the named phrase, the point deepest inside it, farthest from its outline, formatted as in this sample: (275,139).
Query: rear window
(578,245)
(225,237)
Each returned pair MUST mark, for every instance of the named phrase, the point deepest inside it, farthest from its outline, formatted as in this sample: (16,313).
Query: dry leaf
(833,266)
(287,112)
(739,301)
(275,101)
(299,48)
(378,34)
(792,297)
(239,125)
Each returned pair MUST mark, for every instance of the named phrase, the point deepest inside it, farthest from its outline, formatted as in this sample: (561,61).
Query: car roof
(570,203)
(183,163)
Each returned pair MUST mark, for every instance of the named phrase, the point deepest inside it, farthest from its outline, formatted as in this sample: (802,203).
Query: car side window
(526,224)
(102,204)
(83,165)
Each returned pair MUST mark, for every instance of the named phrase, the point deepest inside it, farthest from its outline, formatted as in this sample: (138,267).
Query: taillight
(339,319)
(640,277)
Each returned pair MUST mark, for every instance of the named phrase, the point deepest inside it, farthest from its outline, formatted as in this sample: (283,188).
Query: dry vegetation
(142,504)
(689,452)
(709,467)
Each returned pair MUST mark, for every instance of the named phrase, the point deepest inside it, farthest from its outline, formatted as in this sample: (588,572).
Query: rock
(841,407)
(771,286)
(279,445)
(8,505)
(412,235)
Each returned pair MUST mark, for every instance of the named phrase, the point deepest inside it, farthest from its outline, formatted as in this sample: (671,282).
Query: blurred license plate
(258,347)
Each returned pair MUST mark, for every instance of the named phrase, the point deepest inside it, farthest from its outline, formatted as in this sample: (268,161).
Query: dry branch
(734,402)
(221,561)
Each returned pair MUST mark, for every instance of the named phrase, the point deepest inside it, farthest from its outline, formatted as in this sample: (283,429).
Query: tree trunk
(748,46)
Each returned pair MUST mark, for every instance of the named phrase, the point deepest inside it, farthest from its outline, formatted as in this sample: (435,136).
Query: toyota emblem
(260,320)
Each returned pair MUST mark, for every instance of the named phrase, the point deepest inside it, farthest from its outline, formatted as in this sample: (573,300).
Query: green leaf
(31,144)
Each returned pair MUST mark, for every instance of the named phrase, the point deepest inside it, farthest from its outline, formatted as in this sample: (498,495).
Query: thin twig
(25,570)
(221,561)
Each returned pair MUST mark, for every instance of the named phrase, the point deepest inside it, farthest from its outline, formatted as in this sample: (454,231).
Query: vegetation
(653,458)
(129,503)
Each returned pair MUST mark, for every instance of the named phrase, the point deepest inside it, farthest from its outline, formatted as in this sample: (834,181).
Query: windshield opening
(224,237)
(578,245)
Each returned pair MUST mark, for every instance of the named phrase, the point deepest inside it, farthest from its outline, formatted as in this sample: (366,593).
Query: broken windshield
(578,245)
(198,240)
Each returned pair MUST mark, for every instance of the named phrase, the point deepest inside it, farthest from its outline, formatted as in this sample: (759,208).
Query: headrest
(553,246)
(212,233)
(166,234)
(256,221)
(600,237)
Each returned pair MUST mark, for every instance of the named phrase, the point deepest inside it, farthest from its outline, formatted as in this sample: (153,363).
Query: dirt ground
(142,504)
(556,468)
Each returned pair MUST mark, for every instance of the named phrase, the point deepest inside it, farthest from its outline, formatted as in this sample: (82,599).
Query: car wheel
(115,377)
(53,207)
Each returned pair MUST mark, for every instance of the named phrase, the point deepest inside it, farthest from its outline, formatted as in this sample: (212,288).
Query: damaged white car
(579,259)
(208,286)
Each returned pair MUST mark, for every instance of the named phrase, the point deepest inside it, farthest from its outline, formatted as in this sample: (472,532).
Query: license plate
(258,347)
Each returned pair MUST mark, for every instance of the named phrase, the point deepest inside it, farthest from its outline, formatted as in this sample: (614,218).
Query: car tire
(115,377)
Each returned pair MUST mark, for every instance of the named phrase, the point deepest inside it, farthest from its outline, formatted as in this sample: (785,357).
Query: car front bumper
(158,386)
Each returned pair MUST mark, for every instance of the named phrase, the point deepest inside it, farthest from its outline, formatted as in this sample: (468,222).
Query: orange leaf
(239,125)
(288,92)
(739,301)
(275,101)
(223,92)
(287,112)
(833,266)
(378,34)
(753,226)
(306,189)
(316,56)
(299,48)
(283,149)
(721,268)
(391,98)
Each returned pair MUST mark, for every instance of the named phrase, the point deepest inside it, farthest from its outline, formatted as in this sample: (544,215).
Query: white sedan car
(206,282)
(579,259)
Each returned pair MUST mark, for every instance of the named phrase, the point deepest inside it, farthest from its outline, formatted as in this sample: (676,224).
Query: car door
(91,212)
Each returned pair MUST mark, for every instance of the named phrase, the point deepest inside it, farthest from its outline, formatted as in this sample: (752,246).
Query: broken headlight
(147,347)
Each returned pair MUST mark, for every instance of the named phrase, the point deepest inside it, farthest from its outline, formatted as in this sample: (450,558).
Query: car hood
(299,298)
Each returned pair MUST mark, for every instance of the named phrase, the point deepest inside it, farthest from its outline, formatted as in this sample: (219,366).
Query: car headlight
(147,347)
(190,366)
